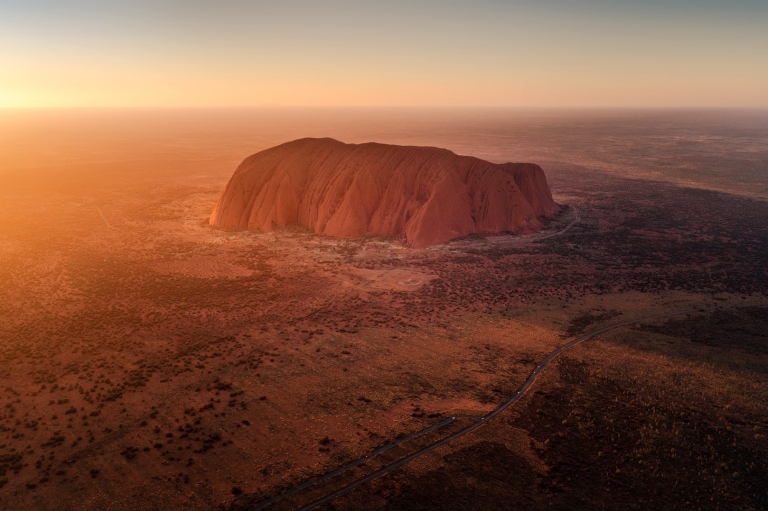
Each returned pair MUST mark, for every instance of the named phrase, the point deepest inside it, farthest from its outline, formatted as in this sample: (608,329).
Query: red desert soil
(426,194)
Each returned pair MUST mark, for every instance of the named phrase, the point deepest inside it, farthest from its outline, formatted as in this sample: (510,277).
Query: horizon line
(382,107)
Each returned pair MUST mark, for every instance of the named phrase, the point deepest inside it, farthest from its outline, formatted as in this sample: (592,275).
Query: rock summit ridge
(427,195)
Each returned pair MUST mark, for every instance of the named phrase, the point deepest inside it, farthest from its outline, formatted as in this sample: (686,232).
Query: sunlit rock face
(426,195)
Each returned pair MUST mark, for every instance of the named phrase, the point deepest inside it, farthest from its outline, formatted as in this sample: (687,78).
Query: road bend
(480,422)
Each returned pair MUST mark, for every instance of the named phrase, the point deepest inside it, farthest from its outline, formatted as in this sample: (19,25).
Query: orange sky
(338,53)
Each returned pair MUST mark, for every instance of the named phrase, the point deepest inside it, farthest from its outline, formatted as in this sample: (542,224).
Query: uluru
(426,195)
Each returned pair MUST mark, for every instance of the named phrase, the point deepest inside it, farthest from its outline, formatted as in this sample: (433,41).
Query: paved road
(527,385)
(312,481)
(561,231)
(516,239)
(384,448)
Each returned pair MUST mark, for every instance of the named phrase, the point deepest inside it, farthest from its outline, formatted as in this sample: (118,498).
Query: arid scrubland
(148,361)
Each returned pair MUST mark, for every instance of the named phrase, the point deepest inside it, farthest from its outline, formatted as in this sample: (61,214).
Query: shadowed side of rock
(426,194)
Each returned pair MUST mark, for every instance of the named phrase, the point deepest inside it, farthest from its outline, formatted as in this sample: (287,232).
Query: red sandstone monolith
(425,194)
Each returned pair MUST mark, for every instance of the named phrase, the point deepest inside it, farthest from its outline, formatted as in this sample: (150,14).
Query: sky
(429,53)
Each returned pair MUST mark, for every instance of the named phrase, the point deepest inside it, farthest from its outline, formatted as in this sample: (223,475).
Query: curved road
(527,385)
(314,480)
(561,231)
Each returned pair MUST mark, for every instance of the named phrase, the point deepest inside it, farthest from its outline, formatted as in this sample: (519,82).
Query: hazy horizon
(200,311)
(339,53)
(723,149)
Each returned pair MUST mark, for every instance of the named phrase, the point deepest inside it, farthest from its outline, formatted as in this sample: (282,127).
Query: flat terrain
(148,361)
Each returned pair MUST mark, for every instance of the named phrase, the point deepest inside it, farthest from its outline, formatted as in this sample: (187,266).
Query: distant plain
(148,361)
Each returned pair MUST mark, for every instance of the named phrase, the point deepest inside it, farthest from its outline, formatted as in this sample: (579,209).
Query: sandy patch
(397,279)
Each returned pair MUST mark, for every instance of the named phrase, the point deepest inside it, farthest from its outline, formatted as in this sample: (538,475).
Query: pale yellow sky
(339,53)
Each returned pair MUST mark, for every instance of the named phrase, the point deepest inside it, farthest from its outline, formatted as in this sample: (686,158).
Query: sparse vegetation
(163,352)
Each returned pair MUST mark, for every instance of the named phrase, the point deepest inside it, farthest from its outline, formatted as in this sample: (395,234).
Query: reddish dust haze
(149,360)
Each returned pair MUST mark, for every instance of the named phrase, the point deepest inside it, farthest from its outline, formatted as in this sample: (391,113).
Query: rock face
(426,194)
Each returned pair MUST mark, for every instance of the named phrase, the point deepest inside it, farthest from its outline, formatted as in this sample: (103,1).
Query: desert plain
(151,361)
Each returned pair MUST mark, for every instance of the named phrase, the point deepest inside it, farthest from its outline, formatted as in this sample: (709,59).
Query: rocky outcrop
(425,194)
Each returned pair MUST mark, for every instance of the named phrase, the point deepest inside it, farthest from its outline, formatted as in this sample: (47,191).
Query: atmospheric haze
(150,359)
(343,53)
(482,255)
